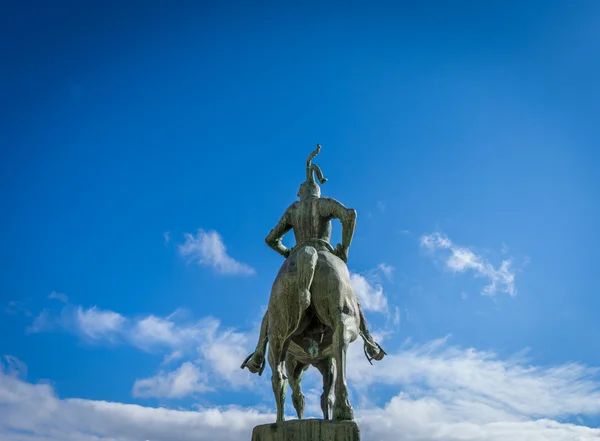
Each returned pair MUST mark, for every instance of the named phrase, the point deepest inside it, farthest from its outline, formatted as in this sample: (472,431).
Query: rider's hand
(341,252)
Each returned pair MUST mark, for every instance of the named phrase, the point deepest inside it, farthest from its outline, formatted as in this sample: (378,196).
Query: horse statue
(313,313)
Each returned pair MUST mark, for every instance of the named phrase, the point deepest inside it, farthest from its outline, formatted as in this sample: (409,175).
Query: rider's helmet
(310,187)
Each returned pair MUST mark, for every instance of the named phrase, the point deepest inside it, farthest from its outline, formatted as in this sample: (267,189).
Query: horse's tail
(306,261)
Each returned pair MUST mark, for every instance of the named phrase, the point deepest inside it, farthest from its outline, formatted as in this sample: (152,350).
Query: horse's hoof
(343,414)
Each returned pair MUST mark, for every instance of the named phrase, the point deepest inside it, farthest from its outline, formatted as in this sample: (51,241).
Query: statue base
(307,430)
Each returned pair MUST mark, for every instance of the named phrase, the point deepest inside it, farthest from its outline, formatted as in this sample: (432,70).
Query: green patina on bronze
(313,313)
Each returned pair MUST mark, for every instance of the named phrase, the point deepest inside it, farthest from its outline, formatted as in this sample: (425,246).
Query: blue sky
(147,150)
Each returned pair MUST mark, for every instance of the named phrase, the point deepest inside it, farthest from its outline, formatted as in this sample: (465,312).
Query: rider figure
(310,218)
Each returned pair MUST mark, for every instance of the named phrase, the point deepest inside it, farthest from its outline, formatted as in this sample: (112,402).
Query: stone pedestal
(307,430)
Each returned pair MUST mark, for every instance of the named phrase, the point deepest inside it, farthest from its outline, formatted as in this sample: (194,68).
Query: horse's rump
(330,289)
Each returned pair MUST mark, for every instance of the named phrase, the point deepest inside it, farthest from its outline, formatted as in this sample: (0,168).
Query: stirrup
(262,365)
(369,359)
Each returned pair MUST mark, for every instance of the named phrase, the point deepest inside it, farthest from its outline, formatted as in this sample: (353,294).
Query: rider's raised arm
(331,208)
(273,239)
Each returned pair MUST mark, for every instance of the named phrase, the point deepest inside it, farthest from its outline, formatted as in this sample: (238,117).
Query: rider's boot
(255,362)
(372,349)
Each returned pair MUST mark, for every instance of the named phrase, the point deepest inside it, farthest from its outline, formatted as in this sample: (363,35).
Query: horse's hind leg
(327,371)
(278,378)
(344,321)
(295,370)
(342,410)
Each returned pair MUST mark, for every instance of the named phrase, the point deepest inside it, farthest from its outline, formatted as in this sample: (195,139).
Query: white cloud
(207,248)
(217,350)
(176,355)
(472,396)
(223,351)
(371,297)
(167,237)
(381,206)
(460,259)
(479,386)
(447,392)
(33,412)
(58,296)
(42,322)
(152,331)
(186,380)
(91,324)
(387,270)
(427,419)
(17,308)
(98,324)
(12,366)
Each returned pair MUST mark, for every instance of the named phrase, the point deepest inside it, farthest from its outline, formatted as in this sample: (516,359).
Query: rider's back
(308,222)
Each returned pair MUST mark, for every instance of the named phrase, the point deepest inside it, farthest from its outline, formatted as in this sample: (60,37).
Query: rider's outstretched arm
(273,239)
(331,208)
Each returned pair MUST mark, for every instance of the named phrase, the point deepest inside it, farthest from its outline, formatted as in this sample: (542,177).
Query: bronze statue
(313,313)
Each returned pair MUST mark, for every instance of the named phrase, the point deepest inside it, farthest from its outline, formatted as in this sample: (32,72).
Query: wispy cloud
(42,322)
(152,331)
(387,270)
(368,288)
(184,381)
(99,324)
(167,237)
(371,296)
(204,341)
(58,296)
(480,386)
(168,358)
(461,259)
(34,412)
(207,248)
(397,316)
(220,351)
(91,323)
(17,308)
(12,366)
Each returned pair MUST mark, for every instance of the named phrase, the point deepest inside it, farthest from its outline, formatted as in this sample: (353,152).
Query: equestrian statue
(313,313)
